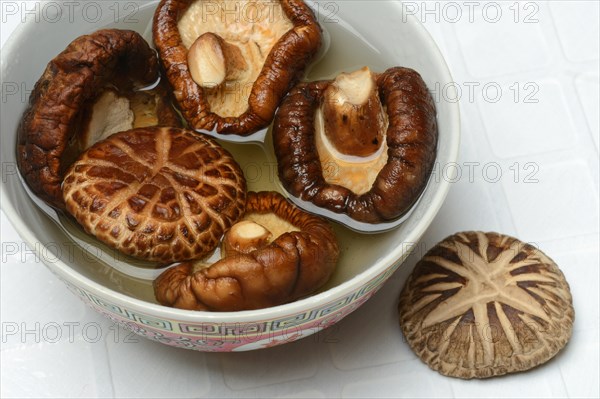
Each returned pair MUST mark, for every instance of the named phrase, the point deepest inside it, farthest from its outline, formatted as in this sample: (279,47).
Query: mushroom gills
(254,232)
(113,112)
(109,114)
(245,32)
(276,225)
(145,109)
(350,132)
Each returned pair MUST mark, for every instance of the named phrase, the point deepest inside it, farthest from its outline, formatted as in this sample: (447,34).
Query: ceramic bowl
(377,34)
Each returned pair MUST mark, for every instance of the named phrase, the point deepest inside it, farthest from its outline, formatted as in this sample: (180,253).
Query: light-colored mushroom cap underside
(251,25)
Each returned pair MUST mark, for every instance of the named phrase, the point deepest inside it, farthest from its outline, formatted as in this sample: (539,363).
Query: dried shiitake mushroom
(86,93)
(275,255)
(231,62)
(159,194)
(363,144)
(480,305)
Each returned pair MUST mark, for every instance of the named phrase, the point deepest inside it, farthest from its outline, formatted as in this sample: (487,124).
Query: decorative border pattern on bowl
(227,337)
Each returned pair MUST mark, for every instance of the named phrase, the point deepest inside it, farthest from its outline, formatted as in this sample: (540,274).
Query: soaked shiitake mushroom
(230,63)
(89,91)
(158,194)
(362,144)
(276,254)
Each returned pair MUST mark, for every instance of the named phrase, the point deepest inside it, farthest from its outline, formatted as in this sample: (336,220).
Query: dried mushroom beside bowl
(276,254)
(158,194)
(362,145)
(229,73)
(89,91)
(480,305)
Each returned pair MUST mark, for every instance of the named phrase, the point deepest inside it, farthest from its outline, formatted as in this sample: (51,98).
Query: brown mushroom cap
(294,265)
(68,85)
(159,194)
(283,67)
(411,140)
(484,304)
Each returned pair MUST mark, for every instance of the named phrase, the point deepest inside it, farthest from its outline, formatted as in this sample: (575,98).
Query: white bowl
(383,36)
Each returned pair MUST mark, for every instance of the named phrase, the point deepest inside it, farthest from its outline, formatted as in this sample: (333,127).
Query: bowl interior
(373,33)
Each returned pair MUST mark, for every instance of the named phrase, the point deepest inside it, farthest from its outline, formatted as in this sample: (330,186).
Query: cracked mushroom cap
(158,194)
(363,144)
(230,69)
(480,305)
(86,93)
(276,254)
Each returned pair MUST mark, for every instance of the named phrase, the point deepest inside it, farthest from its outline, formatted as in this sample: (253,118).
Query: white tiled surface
(53,346)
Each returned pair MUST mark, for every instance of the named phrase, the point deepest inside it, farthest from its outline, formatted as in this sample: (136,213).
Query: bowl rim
(300,306)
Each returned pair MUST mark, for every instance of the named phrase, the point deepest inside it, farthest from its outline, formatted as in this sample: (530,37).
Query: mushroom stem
(245,237)
(212,61)
(354,119)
